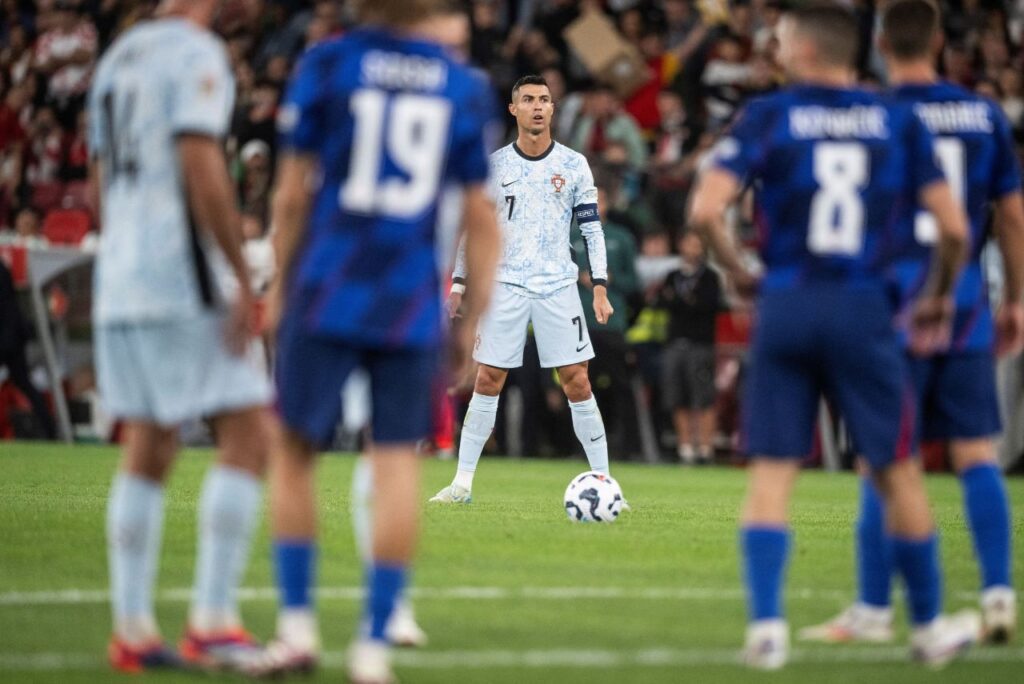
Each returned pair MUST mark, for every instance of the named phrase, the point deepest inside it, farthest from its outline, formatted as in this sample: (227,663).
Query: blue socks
(918,562)
(384,586)
(988,515)
(765,551)
(874,553)
(295,560)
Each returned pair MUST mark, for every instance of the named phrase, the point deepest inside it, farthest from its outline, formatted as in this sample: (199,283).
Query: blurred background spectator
(696,61)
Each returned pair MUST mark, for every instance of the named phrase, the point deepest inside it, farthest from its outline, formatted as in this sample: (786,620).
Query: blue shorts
(957,395)
(312,369)
(834,342)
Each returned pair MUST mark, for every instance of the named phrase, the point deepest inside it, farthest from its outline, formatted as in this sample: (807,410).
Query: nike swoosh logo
(594,439)
(505,185)
(579,349)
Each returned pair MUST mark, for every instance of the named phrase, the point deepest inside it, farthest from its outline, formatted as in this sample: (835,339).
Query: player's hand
(931,324)
(745,283)
(241,322)
(454,304)
(273,308)
(602,307)
(1009,329)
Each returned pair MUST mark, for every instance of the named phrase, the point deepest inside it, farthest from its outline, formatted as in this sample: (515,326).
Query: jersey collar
(538,157)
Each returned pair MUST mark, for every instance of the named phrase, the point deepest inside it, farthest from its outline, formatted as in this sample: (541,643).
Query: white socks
(359,507)
(476,430)
(228,508)
(586,420)
(135,520)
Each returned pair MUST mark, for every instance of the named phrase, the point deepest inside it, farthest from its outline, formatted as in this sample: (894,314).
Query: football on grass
(593,497)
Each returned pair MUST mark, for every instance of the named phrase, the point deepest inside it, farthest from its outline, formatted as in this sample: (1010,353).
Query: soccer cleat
(944,638)
(999,614)
(453,493)
(279,658)
(859,622)
(232,651)
(767,645)
(135,660)
(369,662)
(402,629)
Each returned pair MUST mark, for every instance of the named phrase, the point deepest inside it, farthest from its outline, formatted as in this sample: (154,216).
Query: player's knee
(576,382)
(967,453)
(243,440)
(489,381)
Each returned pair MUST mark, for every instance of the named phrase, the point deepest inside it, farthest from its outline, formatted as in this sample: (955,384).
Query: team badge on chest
(558,182)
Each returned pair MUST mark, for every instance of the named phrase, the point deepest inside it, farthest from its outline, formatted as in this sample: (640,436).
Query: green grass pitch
(509,589)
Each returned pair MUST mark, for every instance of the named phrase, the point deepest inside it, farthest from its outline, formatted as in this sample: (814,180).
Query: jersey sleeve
(300,120)
(922,164)
(739,151)
(1006,170)
(587,218)
(96,132)
(204,92)
(475,127)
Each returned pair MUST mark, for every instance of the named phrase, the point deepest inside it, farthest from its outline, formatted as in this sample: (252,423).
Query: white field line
(550,658)
(183,594)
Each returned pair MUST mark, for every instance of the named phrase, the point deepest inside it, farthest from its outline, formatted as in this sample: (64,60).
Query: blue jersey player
(957,388)
(374,125)
(832,166)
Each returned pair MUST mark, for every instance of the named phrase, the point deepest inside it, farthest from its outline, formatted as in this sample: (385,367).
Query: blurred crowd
(701,59)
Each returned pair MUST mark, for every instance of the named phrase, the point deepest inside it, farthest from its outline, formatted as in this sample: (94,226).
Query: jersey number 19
(413,131)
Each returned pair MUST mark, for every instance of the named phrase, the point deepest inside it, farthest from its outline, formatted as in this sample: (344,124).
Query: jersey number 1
(414,133)
(950,154)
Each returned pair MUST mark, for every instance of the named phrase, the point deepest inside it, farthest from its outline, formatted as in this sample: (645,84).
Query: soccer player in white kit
(170,342)
(538,186)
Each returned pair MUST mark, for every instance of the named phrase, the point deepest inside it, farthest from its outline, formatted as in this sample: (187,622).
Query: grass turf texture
(679,543)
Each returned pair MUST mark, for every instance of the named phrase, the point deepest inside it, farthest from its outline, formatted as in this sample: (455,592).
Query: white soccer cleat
(453,493)
(767,645)
(280,658)
(999,614)
(859,622)
(369,662)
(403,630)
(944,638)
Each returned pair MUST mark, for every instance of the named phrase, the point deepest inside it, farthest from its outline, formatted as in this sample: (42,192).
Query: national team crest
(558,182)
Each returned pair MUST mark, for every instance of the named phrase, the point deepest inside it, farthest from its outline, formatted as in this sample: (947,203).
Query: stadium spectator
(14,335)
(692,295)
(45,149)
(604,122)
(27,230)
(65,55)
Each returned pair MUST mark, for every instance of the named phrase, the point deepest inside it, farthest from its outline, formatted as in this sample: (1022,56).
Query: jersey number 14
(413,132)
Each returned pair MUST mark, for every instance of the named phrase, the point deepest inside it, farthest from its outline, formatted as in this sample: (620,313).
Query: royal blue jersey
(391,121)
(834,172)
(975,148)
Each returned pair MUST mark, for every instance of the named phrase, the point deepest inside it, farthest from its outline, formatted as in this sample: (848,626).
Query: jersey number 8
(837,210)
(414,133)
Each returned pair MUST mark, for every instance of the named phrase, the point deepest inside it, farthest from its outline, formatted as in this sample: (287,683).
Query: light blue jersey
(536,199)
(160,80)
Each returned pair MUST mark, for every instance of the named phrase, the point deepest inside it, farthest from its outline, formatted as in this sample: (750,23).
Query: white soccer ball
(593,497)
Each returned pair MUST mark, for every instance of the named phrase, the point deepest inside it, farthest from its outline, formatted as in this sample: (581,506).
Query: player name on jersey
(399,71)
(848,122)
(955,117)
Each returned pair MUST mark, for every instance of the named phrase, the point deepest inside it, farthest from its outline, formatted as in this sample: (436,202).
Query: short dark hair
(529,79)
(833,28)
(909,26)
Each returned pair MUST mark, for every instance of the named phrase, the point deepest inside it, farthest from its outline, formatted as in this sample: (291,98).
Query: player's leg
(563,342)
(227,517)
(135,516)
(501,339)
(402,415)
(967,413)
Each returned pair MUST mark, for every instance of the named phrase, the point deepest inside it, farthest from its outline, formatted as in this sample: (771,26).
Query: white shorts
(559,327)
(170,371)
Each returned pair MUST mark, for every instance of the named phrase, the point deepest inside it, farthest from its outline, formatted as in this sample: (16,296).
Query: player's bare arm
(289,210)
(1009,226)
(482,249)
(716,190)
(212,199)
(933,313)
